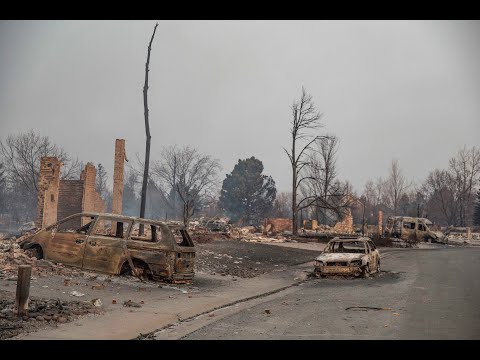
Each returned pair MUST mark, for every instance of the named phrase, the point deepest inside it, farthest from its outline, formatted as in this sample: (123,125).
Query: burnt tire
(378,267)
(35,251)
(365,271)
(141,270)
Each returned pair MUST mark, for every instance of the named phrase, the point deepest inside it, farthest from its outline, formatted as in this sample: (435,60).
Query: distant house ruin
(58,198)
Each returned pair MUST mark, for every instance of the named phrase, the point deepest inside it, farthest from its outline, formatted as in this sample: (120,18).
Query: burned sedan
(117,244)
(349,257)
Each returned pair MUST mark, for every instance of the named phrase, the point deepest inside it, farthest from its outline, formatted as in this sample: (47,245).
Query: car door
(374,255)
(409,230)
(67,245)
(104,246)
(369,255)
(422,234)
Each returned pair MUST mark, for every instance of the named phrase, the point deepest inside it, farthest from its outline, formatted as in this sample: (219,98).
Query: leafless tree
(465,170)
(147,133)
(305,118)
(282,206)
(450,193)
(323,175)
(323,195)
(374,194)
(190,175)
(396,185)
(157,205)
(188,205)
(21,157)
(3,188)
(440,190)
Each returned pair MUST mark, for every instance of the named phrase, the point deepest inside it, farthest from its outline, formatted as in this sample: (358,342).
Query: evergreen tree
(130,200)
(247,195)
(101,181)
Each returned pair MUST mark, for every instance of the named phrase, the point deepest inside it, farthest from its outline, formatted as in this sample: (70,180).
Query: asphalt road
(420,294)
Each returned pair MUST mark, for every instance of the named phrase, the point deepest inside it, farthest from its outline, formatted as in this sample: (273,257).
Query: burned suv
(348,256)
(117,244)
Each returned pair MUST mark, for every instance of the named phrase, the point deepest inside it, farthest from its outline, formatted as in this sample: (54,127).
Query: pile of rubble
(202,236)
(463,239)
(11,256)
(259,237)
(41,312)
(215,224)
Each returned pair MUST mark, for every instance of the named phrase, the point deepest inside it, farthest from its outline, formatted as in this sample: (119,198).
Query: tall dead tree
(323,170)
(305,117)
(397,185)
(147,132)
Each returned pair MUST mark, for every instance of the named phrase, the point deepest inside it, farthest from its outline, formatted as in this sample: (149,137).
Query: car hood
(339,257)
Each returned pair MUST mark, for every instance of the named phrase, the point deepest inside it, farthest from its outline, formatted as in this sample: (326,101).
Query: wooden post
(380,224)
(23,289)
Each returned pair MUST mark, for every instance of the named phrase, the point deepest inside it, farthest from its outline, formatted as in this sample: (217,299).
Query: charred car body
(412,229)
(348,256)
(112,244)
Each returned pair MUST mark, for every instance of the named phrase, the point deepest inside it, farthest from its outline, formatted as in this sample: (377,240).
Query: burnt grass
(246,259)
(42,313)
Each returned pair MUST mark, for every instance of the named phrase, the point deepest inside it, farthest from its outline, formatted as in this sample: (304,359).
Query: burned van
(412,229)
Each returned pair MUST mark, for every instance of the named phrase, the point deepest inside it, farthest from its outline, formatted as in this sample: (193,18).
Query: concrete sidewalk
(123,323)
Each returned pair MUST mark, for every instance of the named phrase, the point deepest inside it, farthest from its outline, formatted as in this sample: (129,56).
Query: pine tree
(247,195)
(101,181)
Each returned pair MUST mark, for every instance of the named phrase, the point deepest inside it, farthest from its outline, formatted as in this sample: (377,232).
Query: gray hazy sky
(388,89)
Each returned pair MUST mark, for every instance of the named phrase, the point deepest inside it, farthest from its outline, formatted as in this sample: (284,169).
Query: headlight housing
(356,262)
(318,263)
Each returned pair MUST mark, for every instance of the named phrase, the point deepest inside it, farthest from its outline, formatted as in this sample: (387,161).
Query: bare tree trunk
(147,133)
(294,190)
(305,117)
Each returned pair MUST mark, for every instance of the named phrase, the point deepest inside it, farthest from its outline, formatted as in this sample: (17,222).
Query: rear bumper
(184,278)
(338,270)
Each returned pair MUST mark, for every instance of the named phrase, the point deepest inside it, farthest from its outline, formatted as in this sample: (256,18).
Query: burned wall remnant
(118,173)
(346,225)
(277,225)
(310,224)
(58,199)
(48,185)
(91,200)
(70,200)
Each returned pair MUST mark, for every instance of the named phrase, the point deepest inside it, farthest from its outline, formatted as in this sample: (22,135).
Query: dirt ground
(247,259)
(61,294)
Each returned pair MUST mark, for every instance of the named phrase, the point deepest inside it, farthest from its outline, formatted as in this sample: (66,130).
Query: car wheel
(365,271)
(141,271)
(35,252)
